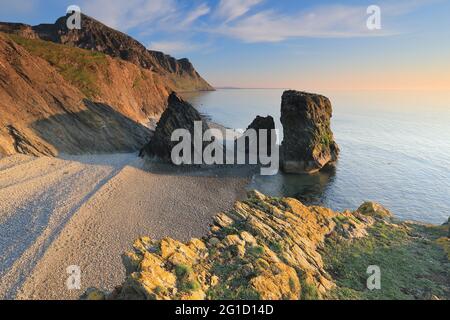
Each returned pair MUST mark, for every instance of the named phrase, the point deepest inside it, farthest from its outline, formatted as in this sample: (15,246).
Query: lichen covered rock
(264,248)
(374,210)
(308,144)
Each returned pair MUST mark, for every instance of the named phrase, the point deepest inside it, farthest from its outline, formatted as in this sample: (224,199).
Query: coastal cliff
(57,99)
(278,248)
(93,90)
(179,75)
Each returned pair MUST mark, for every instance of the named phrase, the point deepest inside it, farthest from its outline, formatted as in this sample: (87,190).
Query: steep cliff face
(55,98)
(180,75)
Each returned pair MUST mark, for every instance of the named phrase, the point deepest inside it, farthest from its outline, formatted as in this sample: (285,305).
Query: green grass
(411,268)
(189,285)
(276,246)
(182,270)
(326,139)
(256,251)
(222,292)
(77,66)
(186,283)
(309,291)
(233,285)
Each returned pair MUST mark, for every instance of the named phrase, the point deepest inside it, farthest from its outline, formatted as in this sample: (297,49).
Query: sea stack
(308,144)
(178,115)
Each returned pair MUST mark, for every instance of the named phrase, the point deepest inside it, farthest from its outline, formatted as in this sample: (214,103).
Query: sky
(298,44)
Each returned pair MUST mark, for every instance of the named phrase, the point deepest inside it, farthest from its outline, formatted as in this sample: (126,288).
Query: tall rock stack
(308,143)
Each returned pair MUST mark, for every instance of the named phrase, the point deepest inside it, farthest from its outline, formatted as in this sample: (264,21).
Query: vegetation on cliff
(272,248)
(77,66)
(178,75)
(92,90)
(58,99)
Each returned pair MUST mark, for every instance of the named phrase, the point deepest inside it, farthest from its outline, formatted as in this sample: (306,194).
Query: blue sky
(301,44)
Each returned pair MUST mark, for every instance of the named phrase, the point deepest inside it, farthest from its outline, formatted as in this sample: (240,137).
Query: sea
(395,149)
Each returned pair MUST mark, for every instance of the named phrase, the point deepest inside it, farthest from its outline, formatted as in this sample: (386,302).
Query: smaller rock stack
(261,123)
(308,143)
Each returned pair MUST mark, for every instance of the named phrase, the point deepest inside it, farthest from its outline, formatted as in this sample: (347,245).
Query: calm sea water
(395,149)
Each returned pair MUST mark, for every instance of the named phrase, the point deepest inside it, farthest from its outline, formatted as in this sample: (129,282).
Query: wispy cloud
(128,14)
(270,26)
(245,20)
(174,47)
(195,14)
(230,10)
(332,21)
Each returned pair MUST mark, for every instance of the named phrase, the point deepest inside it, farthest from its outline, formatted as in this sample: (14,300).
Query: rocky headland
(178,115)
(278,248)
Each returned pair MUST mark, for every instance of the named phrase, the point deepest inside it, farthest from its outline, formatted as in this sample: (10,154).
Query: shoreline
(58,212)
(269,248)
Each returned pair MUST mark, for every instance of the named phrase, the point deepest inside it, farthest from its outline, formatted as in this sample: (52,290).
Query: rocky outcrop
(272,248)
(262,123)
(178,115)
(179,75)
(264,248)
(308,143)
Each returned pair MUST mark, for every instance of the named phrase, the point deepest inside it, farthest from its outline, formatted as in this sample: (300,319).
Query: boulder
(178,115)
(374,210)
(263,123)
(308,143)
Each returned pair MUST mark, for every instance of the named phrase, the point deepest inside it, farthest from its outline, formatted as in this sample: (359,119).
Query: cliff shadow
(98,129)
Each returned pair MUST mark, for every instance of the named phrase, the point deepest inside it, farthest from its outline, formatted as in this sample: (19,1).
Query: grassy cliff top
(76,65)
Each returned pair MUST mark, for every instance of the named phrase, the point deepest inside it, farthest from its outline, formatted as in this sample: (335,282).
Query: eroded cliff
(57,99)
